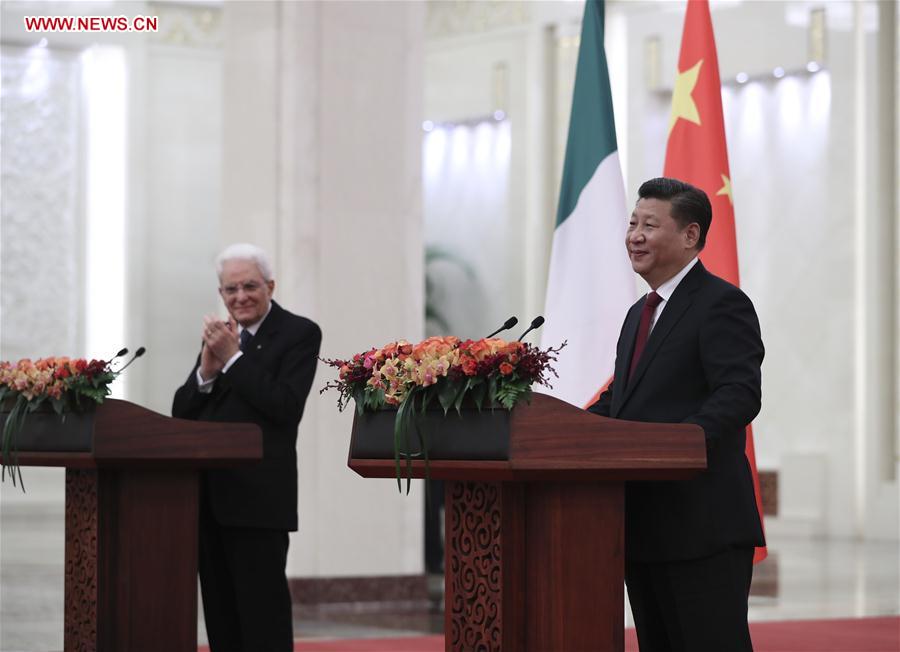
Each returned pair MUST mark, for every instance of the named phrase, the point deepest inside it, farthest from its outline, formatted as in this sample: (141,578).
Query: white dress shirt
(666,290)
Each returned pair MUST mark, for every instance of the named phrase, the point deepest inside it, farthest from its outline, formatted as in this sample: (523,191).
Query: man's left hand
(222,338)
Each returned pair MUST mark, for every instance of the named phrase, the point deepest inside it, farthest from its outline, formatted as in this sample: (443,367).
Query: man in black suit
(257,367)
(689,352)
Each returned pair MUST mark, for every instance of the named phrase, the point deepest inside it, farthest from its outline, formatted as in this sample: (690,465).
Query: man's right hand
(210,365)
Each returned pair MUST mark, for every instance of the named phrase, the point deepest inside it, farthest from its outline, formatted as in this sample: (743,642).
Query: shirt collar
(667,289)
(252,328)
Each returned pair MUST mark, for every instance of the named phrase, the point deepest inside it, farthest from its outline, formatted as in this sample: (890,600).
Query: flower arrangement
(66,385)
(410,377)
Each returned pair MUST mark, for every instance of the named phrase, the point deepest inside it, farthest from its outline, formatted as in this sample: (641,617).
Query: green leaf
(402,424)
(479,389)
(492,390)
(95,394)
(374,399)
(423,442)
(14,423)
(462,393)
(398,438)
(410,424)
(35,403)
(511,391)
(447,394)
(59,405)
(359,397)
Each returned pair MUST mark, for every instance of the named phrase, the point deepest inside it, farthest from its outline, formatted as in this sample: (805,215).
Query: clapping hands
(220,343)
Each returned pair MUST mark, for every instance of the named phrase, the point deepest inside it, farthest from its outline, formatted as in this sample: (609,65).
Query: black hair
(689,203)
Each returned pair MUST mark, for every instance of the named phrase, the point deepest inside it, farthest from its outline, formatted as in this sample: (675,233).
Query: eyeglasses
(248,288)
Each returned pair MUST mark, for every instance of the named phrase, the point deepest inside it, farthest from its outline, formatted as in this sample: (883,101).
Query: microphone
(537,322)
(509,323)
(137,354)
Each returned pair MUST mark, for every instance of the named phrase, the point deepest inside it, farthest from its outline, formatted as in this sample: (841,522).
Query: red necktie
(653,300)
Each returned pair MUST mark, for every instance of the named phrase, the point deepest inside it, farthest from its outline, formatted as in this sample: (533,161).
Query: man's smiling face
(658,246)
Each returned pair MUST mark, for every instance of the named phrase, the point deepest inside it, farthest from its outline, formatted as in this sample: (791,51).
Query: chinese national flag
(696,153)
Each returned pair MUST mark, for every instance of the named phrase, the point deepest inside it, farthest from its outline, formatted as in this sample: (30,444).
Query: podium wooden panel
(534,544)
(131,525)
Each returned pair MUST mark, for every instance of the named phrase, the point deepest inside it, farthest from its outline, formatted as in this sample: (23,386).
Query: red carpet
(844,635)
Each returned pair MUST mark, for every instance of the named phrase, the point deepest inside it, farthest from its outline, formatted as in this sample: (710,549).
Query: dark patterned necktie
(653,300)
(246,336)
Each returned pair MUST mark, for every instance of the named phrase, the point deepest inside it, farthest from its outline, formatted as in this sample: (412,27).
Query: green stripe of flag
(592,129)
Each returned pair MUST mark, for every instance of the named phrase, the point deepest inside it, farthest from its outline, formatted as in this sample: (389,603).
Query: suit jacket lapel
(267,329)
(675,308)
(623,358)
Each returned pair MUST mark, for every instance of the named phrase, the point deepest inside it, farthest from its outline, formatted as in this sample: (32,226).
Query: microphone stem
(127,364)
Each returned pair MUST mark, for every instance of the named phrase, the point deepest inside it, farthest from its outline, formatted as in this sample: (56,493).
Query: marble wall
(322,165)
(41,220)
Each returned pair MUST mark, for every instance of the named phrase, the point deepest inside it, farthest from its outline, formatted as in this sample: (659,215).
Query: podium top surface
(550,439)
(121,434)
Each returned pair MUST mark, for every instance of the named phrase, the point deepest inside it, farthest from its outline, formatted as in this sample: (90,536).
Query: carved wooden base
(131,560)
(81,587)
(474,564)
(534,566)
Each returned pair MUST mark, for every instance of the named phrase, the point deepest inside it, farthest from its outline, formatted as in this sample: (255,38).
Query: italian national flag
(591,285)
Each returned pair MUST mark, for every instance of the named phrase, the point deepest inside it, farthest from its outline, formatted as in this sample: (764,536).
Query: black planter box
(48,432)
(472,435)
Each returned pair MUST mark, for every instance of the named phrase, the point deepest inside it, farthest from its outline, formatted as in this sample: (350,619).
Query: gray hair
(245,251)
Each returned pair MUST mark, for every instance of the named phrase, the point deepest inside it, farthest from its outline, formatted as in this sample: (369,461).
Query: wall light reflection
(104,85)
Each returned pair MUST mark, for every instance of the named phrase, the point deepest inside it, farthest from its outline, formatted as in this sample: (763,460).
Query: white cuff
(231,361)
(205,386)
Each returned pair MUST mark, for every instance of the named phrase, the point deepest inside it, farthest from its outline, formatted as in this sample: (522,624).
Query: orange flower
(506,368)
(479,350)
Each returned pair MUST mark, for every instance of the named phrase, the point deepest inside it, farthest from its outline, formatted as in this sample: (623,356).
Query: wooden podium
(131,521)
(534,544)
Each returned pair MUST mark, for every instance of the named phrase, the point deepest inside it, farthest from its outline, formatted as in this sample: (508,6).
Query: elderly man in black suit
(256,367)
(689,352)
